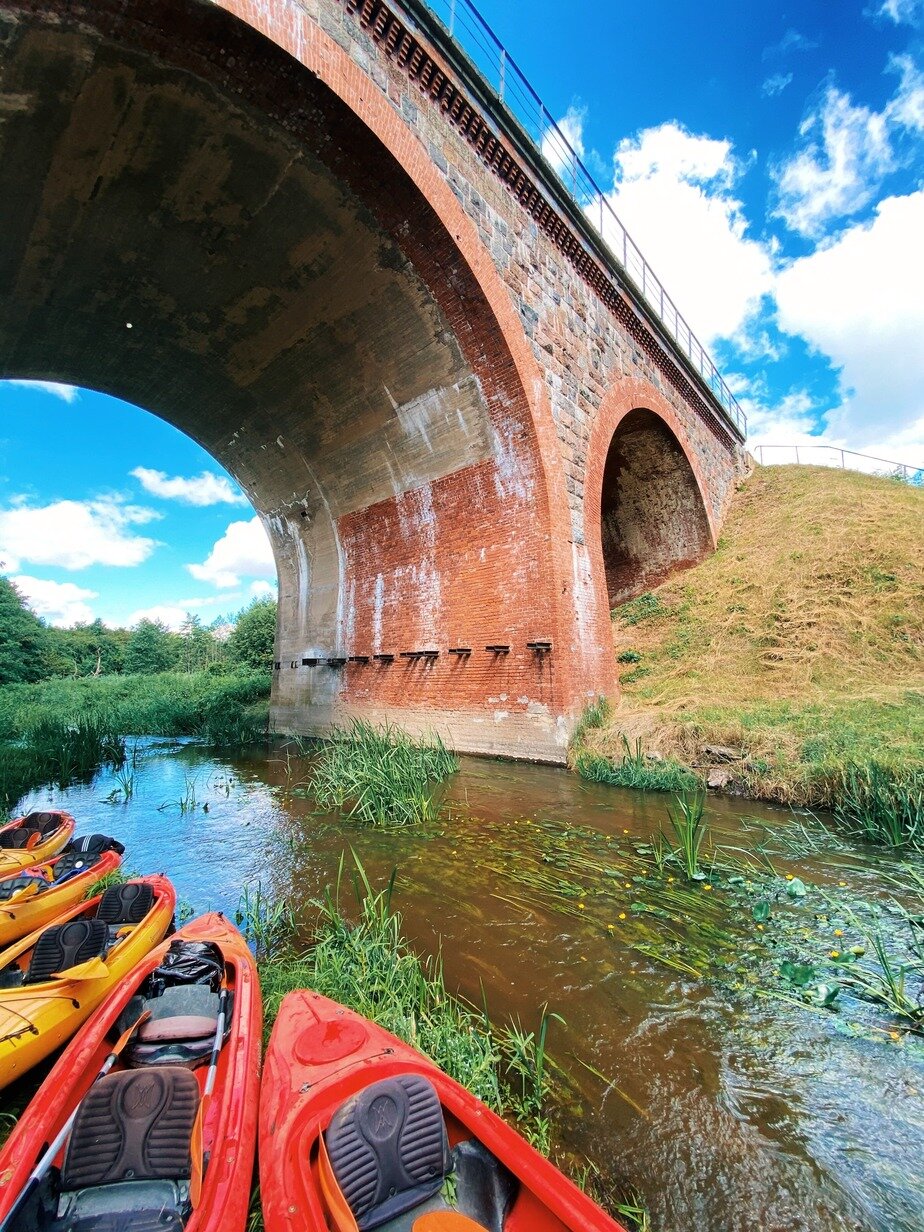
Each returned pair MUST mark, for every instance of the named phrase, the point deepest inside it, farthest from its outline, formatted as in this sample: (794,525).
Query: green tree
(254,635)
(23,638)
(197,644)
(87,650)
(151,648)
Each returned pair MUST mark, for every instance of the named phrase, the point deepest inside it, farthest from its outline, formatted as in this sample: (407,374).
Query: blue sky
(122,517)
(768,159)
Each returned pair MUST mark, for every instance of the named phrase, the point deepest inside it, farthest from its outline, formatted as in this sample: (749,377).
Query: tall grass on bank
(218,708)
(636,771)
(61,731)
(380,775)
(366,964)
(58,750)
(882,805)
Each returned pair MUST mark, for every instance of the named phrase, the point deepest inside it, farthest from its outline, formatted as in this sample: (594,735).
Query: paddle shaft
(197,1152)
(35,1176)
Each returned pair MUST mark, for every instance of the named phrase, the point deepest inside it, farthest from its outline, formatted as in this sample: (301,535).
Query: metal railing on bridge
(469,30)
(833,455)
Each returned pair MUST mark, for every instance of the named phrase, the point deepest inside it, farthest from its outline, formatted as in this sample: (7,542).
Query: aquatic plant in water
(686,817)
(365,963)
(381,775)
(881,805)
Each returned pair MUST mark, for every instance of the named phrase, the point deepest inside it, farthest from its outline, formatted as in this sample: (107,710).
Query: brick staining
(502,550)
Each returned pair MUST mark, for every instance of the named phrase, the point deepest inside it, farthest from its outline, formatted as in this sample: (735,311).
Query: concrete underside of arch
(298,307)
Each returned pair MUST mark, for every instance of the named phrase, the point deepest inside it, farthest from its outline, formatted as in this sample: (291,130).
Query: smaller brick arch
(646,516)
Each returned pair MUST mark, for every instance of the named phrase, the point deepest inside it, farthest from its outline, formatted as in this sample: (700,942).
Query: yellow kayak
(33,838)
(34,897)
(52,980)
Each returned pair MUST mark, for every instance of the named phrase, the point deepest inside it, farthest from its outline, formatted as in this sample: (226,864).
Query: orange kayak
(358,1130)
(130,1151)
(53,979)
(37,895)
(33,838)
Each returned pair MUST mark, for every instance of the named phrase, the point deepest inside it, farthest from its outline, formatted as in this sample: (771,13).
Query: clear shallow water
(726,1111)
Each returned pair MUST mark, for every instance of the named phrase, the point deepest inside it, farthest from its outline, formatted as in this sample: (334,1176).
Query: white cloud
(903,12)
(792,40)
(559,144)
(67,393)
(847,150)
(674,194)
(858,301)
(174,614)
(907,107)
(75,534)
(262,590)
(776,84)
(59,603)
(243,551)
(205,489)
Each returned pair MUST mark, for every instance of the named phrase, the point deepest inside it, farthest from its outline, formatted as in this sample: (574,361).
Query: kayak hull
(18,919)
(35,1019)
(319,1055)
(230,1127)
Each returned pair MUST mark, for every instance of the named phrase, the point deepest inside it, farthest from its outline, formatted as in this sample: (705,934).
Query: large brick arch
(639,443)
(469,549)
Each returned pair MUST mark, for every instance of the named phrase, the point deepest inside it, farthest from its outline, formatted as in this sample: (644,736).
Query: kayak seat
(43,822)
(12,885)
(94,845)
(71,864)
(15,839)
(387,1149)
(128,903)
(181,1029)
(66,945)
(127,1164)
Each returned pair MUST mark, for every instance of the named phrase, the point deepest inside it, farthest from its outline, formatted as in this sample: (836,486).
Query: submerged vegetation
(380,775)
(364,962)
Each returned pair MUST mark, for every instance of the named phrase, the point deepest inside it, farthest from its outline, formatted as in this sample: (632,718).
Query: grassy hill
(799,644)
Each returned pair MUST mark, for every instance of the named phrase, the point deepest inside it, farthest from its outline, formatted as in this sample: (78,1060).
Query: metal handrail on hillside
(471,32)
(911,474)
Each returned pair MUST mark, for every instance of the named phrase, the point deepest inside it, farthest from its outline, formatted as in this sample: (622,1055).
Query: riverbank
(63,730)
(792,656)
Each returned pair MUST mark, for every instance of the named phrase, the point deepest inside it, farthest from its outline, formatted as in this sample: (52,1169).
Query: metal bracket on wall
(498,649)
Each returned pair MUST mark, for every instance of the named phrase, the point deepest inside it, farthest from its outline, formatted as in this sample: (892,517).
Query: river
(693,1073)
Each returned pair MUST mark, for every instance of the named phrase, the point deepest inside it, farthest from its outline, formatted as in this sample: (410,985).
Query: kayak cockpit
(385,1162)
(127,1164)
(62,948)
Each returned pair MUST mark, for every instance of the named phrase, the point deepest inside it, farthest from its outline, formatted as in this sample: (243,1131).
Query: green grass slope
(799,643)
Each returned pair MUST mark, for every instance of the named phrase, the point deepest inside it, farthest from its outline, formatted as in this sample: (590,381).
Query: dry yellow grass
(801,639)
(817,587)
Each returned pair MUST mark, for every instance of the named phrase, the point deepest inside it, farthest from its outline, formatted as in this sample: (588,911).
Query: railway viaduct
(310,235)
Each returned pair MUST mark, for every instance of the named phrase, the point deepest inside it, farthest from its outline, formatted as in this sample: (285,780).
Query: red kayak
(360,1131)
(151,1110)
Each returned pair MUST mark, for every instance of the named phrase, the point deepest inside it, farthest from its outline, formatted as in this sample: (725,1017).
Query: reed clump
(636,770)
(380,775)
(882,805)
